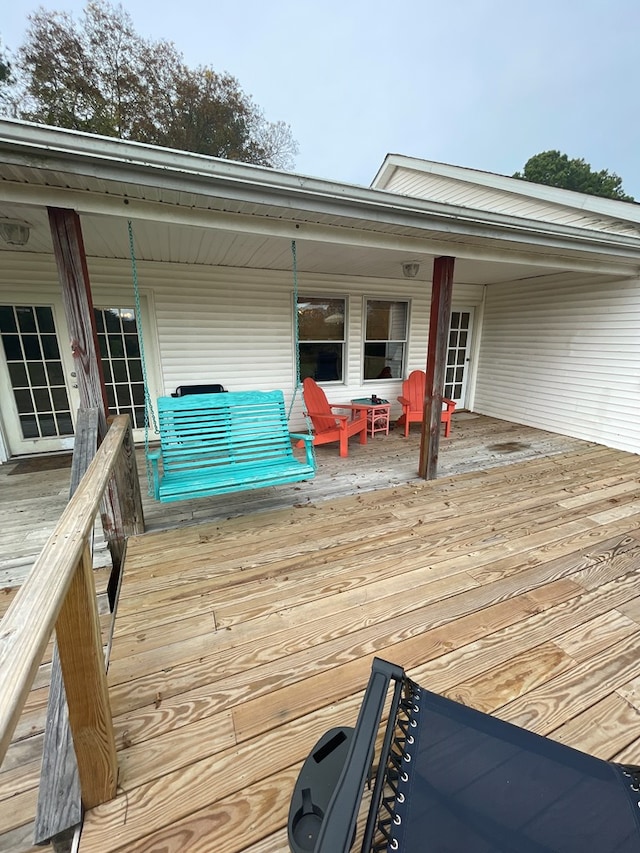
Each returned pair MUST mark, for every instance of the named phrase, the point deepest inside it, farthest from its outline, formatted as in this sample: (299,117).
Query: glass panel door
(121,362)
(458,355)
(42,408)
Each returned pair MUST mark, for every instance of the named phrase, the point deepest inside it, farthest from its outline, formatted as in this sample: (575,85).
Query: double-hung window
(321,337)
(385,338)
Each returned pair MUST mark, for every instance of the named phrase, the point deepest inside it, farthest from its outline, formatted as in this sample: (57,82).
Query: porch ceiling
(166,242)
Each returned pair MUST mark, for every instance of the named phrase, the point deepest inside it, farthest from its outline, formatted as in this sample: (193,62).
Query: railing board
(59,799)
(59,802)
(82,663)
(23,640)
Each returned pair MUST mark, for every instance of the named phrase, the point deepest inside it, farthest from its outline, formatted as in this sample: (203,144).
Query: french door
(121,363)
(38,386)
(458,355)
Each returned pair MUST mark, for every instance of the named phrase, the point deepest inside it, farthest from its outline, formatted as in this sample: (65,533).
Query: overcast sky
(478,83)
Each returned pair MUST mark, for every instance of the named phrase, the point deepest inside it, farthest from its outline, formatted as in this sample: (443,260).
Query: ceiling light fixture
(410,269)
(14,231)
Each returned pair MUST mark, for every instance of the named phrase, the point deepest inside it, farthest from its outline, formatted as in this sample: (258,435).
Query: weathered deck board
(240,641)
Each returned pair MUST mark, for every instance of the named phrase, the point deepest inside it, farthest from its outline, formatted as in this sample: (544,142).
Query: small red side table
(377,414)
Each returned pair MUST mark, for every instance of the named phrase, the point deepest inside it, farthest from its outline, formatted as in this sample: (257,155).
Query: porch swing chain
(296,330)
(148,405)
(296,342)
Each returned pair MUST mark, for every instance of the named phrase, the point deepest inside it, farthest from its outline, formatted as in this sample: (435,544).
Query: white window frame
(341,379)
(389,341)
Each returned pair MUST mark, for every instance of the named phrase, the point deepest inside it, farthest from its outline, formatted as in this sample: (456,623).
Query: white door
(38,387)
(458,355)
(37,383)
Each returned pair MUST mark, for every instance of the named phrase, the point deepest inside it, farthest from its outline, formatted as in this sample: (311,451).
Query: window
(321,328)
(385,339)
(121,362)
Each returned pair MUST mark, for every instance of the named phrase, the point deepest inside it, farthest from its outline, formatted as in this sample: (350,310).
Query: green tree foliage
(557,170)
(98,75)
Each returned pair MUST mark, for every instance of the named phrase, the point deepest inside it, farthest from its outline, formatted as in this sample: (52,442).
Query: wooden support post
(439,321)
(85,681)
(132,496)
(71,261)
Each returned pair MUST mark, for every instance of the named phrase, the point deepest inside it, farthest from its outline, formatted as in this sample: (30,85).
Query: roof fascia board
(627,211)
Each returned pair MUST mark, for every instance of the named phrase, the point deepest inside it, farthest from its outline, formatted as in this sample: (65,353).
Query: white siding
(564,358)
(235,326)
(447,190)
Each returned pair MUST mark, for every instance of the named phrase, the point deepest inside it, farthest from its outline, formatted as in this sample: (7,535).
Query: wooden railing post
(131,497)
(126,509)
(85,681)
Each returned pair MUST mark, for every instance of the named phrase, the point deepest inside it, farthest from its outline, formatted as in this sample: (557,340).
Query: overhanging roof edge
(124,161)
(611,207)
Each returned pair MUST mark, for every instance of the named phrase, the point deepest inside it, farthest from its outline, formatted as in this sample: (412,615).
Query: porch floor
(34,491)
(246,625)
(239,641)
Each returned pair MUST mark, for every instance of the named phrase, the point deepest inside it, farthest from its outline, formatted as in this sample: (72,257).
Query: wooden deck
(240,641)
(242,635)
(34,492)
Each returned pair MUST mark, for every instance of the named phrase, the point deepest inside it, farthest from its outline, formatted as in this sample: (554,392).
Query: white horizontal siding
(564,358)
(233,326)
(26,270)
(447,190)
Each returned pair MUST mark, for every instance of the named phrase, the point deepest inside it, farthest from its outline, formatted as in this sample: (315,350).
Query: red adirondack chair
(412,401)
(327,426)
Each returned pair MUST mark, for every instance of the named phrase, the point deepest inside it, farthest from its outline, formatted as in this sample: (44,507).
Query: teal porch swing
(214,444)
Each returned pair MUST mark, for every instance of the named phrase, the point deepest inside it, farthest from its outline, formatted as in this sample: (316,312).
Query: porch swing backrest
(211,444)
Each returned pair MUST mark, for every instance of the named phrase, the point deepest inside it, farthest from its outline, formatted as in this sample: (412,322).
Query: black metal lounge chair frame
(477,784)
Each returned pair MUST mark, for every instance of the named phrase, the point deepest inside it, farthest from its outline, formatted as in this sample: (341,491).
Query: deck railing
(60,593)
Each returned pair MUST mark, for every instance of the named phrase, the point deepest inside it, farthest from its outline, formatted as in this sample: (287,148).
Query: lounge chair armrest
(338,825)
(345,406)
(404,401)
(358,413)
(450,404)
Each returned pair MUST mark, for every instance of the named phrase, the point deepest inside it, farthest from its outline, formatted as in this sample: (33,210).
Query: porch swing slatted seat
(211,444)
(217,443)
